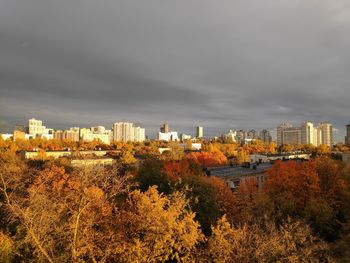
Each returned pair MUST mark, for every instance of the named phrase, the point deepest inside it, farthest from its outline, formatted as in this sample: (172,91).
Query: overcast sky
(220,64)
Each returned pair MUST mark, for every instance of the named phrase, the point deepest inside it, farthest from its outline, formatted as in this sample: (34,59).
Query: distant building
(307,133)
(164,128)
(168,136)
(127,132)
(251,135)
(265,136)
(326,130)
(230,136)
(199,133)
(184,137)
(139,134)
(37,129)
(6,136)
(73,134)
(347,137)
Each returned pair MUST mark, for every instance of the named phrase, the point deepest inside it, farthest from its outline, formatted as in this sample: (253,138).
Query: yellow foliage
(7,248)
(164,228)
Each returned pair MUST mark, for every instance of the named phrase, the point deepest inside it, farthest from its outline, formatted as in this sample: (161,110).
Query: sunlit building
(128,132)
(200,133)
(37,129)
(307,133)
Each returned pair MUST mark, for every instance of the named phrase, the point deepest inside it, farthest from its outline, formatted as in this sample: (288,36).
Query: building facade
(307,133)
(347,137)
(128,132)
(199,133)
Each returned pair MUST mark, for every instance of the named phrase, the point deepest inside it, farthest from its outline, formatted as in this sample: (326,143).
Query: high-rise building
(326,133)
(199,132)
(230,136)
(164,128)
(347,137)
(265,136)
(280,130)
(123,132)
(127,132)
(37,129)
(307,133)
(139,134)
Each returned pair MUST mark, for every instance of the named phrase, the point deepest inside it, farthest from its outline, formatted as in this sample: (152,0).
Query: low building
(7,136)
(168,136)
(93,162)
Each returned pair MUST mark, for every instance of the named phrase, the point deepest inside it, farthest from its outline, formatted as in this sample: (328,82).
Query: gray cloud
(223,64)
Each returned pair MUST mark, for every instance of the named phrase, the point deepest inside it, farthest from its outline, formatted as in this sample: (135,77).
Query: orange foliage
(176,169)
(297,181)
(208,159)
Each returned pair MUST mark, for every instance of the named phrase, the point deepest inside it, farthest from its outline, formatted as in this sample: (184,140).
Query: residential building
(347,137)
(168,136)
(164,128)
(326,133)
(230,136)
(184,137)
(37,129)
(307,133)
(139,134)
(199,132)
(265,136)
(128,132)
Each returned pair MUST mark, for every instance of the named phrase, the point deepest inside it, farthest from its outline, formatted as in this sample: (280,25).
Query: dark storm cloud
(220,64)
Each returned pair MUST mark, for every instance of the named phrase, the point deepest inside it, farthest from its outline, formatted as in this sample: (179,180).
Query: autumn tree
(208,159)
(292,241)
(162,228)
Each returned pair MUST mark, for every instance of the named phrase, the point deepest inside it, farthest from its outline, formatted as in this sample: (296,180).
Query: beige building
(37,129)
(307,133)
(128,132)
(325,134)
(199,132)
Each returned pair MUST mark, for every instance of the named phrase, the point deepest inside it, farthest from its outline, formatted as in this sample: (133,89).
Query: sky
(233,64)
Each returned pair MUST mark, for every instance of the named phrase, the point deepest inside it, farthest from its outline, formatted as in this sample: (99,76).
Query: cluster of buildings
(121,132)
(245,137)
(307,133)
(166,135)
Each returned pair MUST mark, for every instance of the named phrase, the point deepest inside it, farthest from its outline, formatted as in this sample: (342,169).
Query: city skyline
(164,133)
(226,65)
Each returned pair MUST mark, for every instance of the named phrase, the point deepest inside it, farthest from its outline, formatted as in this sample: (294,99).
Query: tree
(291,185)
(7,248)
(208,159)
(292,241)
(128,158)
(161,228)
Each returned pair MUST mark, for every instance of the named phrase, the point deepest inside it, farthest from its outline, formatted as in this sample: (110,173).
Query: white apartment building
(200,132)
(168,136)
(127,132)
(307,133)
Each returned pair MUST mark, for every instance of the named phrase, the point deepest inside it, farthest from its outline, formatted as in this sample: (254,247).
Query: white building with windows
(168,136)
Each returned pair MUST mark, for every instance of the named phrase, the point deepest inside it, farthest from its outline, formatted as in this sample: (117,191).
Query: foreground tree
(290,242)
(160,228)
